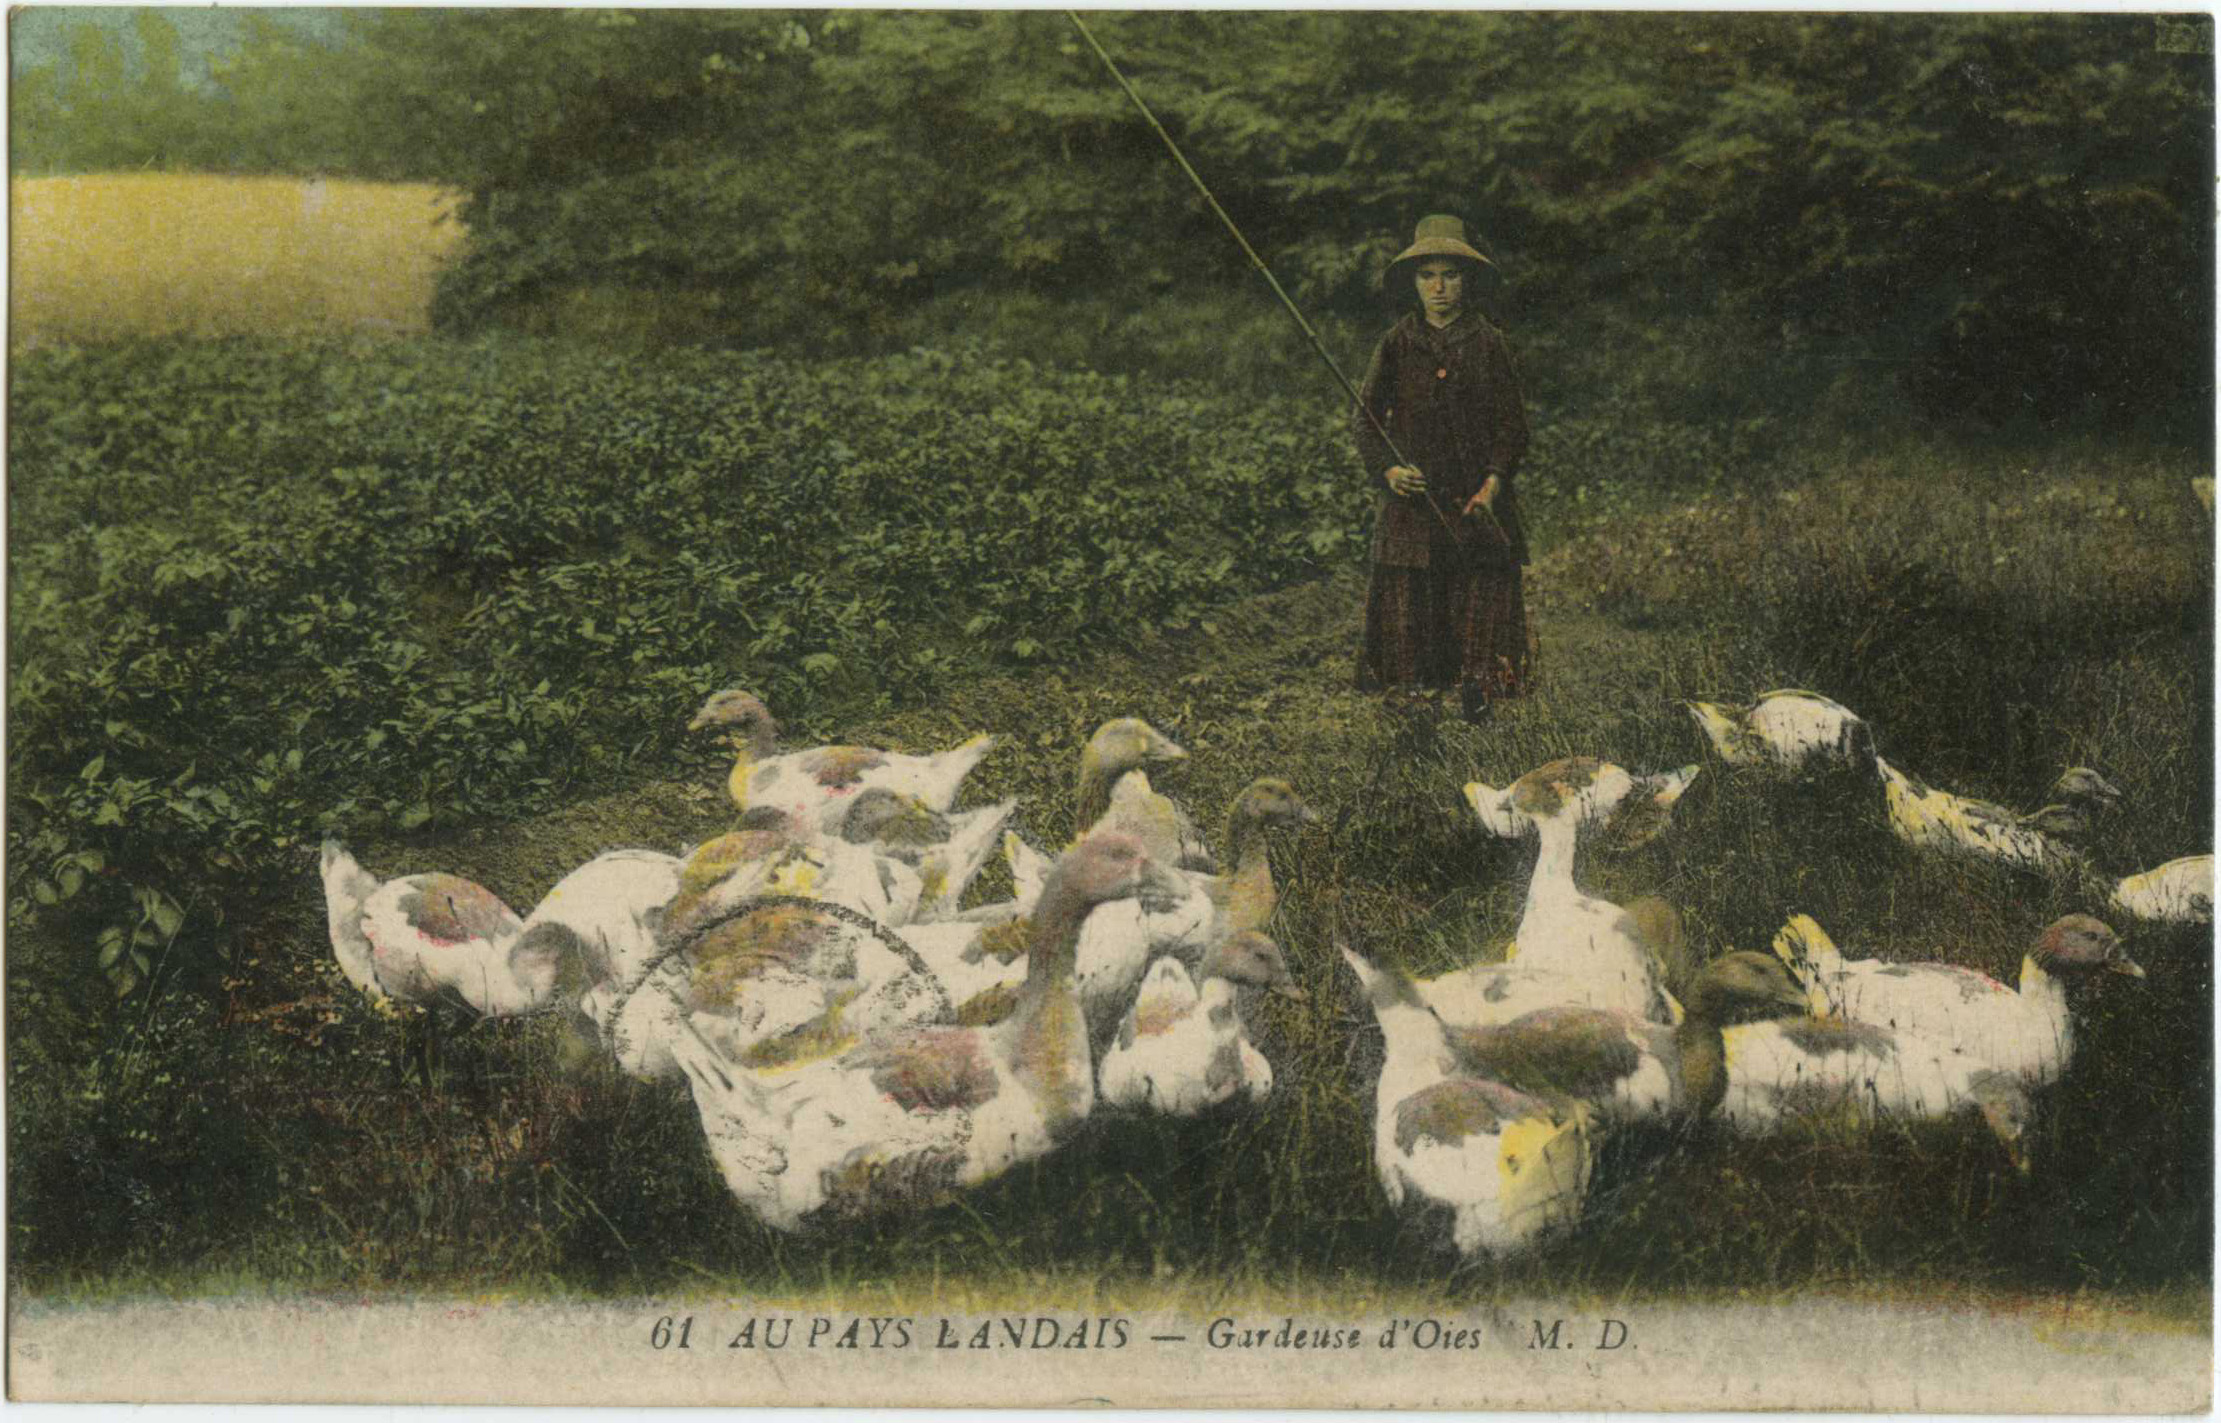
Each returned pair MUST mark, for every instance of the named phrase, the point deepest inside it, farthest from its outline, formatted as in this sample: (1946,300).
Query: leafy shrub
(264,593)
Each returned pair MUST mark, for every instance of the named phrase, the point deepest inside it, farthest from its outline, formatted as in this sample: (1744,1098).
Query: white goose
(436,938)
(608,910)
(1182,1051)
(1792,1071)
(606,913)
(1928,818)
(2029,1033)
(1571,949)
(816,785)
(1628,1068)
(2178,892)
(1506,1167)
(904,1121)
(1788,729)
(1637,806)
(1802,731)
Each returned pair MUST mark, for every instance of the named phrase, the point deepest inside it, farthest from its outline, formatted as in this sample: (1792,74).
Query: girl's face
(1441,284)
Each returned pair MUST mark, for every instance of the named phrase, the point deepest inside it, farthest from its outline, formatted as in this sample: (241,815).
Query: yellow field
(98,257)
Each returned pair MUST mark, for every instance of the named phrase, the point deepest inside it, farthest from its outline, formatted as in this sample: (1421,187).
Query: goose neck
(1093,799)
(1701,1045)
(1054,945)
(2040,986)
(1553,875)
(1245,834)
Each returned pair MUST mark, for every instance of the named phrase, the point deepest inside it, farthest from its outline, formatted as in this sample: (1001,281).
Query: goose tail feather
(1811,957)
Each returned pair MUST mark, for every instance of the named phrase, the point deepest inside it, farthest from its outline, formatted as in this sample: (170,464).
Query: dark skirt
(1450,625)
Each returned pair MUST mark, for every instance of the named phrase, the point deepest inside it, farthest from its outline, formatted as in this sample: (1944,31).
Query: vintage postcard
(1448,709)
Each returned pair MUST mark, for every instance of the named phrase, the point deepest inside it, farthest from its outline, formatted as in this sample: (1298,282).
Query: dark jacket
(1450,400)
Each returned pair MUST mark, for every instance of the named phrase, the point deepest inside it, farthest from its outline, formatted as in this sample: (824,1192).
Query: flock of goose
(856,1041)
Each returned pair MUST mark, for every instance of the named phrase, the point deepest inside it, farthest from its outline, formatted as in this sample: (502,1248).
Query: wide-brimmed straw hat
(1439,235)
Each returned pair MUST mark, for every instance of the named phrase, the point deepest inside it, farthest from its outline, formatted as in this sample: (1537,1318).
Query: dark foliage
(2003,217)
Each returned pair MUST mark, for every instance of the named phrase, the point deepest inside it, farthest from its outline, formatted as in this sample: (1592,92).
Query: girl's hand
(1407,481)
(1484,498)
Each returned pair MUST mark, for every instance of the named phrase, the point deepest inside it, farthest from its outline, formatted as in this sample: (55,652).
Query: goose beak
(2126,967)
(1291,992)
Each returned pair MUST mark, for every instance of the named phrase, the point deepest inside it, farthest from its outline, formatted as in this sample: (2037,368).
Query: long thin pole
(1262,270)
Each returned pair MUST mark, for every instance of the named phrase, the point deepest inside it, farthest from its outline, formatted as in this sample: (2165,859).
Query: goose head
(1579,787)
(1270,801)
(2002,1099)
(1739,987)
(1115,865)
(2081,947)
(1123,744)
(2081,786)
(1249,957)
(740,718)
(1743,987)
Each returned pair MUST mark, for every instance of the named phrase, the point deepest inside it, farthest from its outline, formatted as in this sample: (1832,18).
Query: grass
(1995,625)
(98,257)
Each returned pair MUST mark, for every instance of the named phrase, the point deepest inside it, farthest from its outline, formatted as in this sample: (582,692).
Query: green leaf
(415,815)
(93,768)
